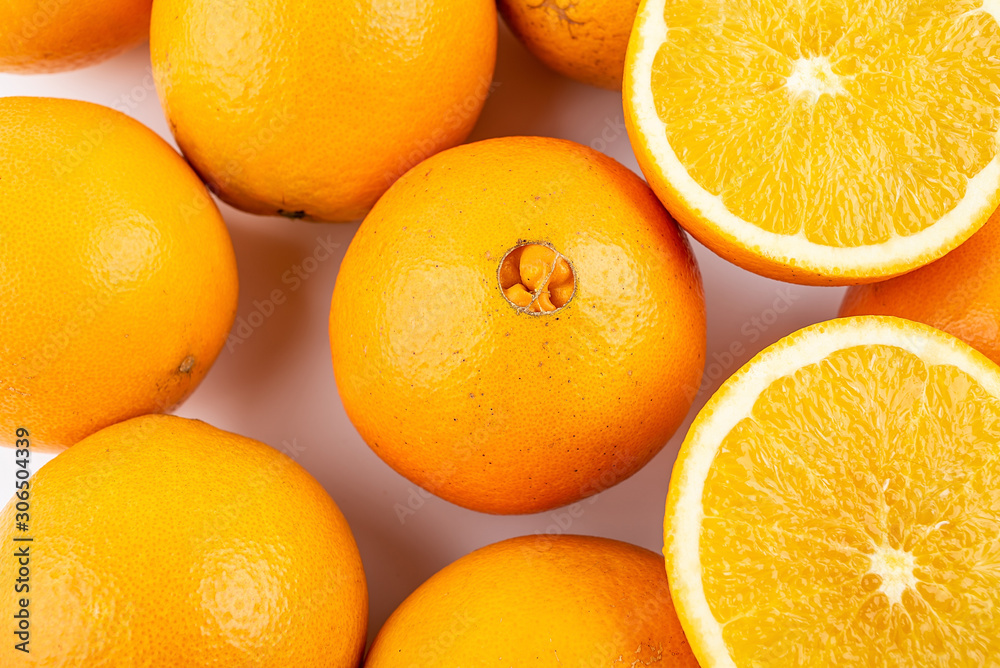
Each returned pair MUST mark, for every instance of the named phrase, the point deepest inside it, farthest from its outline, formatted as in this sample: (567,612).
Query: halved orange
(837,502)
(819,141)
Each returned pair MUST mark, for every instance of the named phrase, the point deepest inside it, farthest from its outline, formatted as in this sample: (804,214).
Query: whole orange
(518,324)
(539,601)
(162,541)
(585,40)
(312,109)
(960,293)
(119,280)
(53,35)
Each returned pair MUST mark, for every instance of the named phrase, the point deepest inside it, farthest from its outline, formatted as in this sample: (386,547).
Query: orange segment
(536,265)
(536,278)
(841,495)
(795,138)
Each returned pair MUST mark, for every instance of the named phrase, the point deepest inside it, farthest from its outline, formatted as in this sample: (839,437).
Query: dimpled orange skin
(38,36)
(960,293)
(163,541)
(312,109)
(485,405)
(119,279)
(584,40)
(539,601)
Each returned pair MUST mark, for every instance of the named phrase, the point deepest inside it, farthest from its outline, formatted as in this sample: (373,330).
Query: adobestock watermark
(721,364)
(31,26)
(57,341)
(292,280)
(622,464)
(22,540)
(417,497)
(252,146)
(89,141)
(292,448)
(134,97)
(433,650)
(260,481)
(92,138)
(477,443)
(613,129)
(462,113)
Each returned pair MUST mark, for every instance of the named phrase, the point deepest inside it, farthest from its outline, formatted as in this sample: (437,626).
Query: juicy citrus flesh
(829,124)
(851,515)
(893,555)
(823,93)
(536,278)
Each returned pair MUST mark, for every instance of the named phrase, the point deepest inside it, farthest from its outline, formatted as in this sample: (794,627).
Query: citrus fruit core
(814,77)
(536,278)
(891,573)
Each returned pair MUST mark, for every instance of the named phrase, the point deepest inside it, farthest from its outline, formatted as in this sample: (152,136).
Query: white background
(278,385)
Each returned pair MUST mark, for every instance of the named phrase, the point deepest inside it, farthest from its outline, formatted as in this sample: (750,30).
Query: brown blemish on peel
(187,364)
